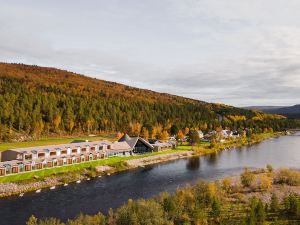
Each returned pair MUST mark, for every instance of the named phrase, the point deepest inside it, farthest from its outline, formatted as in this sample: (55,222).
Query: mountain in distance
(41,101)
(292,112)
(262,108)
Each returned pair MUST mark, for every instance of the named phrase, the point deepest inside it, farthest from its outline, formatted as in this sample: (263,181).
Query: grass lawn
(52,141)
(77,167)
(186,146)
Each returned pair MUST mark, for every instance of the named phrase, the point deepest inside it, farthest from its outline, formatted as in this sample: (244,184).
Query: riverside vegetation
(257,197)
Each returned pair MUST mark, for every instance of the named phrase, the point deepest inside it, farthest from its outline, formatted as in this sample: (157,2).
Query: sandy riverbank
(133,163)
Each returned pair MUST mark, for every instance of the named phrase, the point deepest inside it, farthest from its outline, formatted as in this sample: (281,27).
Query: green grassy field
(79,167)
(53,141)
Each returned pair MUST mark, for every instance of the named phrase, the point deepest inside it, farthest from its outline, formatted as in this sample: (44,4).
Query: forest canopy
(38,101)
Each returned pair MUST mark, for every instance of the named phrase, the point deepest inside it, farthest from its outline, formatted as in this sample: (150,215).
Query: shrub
(292,205)
(32,220)
(270,168)
(212,190)
(247,178)
(287,176)
(91,173)
(98,219)
(227,184)
(140,212)
(265,182)
(202,194)
(213,143)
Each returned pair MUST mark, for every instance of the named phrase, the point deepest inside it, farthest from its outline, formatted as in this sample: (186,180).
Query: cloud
(236,52)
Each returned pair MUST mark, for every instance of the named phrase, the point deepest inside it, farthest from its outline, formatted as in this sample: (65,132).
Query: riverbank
(21,183)
(261,196)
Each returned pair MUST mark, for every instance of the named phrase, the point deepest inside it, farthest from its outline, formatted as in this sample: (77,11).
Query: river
(100,194)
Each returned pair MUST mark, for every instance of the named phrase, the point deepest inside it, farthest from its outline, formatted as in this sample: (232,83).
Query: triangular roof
(125,137)
(131,141)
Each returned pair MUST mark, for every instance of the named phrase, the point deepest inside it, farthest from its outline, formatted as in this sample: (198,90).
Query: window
(28,157)
(2,171)
(63,152)
(41,155)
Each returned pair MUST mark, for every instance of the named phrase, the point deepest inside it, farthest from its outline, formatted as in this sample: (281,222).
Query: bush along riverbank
(230,143)
(255,197)
(31,181)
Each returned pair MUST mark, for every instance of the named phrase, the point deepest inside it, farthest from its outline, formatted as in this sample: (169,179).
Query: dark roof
(152,141)
(125,137)
(131,141)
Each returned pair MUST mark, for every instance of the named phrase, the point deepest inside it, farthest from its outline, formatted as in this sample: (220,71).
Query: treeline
(224,202)
(37,101)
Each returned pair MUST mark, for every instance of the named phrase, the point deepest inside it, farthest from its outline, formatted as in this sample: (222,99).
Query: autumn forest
(39,101)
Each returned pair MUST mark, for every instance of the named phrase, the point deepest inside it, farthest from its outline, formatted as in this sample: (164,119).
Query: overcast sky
(239,52)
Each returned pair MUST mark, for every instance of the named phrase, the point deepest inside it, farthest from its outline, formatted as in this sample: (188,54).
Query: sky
(237,52)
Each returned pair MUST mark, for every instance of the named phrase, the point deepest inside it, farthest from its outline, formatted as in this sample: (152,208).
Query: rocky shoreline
(9,189)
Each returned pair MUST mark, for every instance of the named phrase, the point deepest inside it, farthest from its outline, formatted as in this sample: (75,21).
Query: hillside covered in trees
(37,101)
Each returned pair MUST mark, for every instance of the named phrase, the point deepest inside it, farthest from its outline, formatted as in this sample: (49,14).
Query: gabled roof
(131,141)
(125,137)
(120,147)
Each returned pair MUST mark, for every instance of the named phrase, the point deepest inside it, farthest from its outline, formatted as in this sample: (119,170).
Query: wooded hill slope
(42,101)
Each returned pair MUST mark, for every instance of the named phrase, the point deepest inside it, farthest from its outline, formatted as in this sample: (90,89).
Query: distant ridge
(262,108)
(292,112)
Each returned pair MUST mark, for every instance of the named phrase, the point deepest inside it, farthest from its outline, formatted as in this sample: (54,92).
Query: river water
(100,194)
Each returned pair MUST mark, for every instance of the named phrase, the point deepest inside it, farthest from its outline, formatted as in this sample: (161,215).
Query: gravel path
(158,158)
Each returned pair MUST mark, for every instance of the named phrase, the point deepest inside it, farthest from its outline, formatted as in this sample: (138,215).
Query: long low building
(36,158)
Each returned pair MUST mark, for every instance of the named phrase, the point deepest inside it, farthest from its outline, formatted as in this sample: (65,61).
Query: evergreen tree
(215,209)
(274,204)
(32,221)
(174,129)
(194,137)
